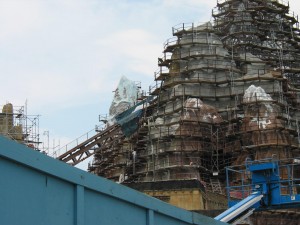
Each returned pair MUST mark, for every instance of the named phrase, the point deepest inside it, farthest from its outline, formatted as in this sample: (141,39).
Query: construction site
(226,91)
(16,124)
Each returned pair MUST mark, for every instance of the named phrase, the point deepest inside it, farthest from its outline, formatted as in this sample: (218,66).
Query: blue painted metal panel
(36,189)
(263,166)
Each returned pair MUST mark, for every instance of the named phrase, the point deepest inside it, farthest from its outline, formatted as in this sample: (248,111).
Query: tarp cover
(128,120)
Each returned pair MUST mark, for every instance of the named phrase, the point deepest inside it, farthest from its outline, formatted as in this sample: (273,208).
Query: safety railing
(170,42)
(164,59)
(240,180)
(161,72)
(155,86)
(74,143)
(182,27)
(167,57)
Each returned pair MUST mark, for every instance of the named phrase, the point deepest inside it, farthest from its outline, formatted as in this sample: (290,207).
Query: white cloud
(192,4)
(294,6)
(19,18)
(135,49)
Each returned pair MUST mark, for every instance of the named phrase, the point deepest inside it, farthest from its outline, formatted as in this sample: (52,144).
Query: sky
(64,58)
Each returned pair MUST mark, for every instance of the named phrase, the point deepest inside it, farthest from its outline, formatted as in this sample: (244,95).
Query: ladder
(216,186)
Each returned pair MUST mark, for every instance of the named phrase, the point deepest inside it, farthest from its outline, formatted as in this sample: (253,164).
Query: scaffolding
(16,124)
(223,92)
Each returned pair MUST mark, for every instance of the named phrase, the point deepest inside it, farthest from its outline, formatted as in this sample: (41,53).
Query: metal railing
(73,143)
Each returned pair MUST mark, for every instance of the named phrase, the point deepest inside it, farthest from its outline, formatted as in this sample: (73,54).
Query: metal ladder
(216,186)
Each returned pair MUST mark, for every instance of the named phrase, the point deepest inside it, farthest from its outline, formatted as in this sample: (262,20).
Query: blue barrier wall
(38,190)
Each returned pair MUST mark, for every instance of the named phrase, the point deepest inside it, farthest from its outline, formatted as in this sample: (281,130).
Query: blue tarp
(129,119)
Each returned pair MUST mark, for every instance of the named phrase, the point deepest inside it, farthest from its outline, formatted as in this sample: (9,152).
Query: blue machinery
(263,185)
(38,190)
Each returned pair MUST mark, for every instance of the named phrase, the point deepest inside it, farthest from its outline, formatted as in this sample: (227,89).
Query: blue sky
(65,57)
